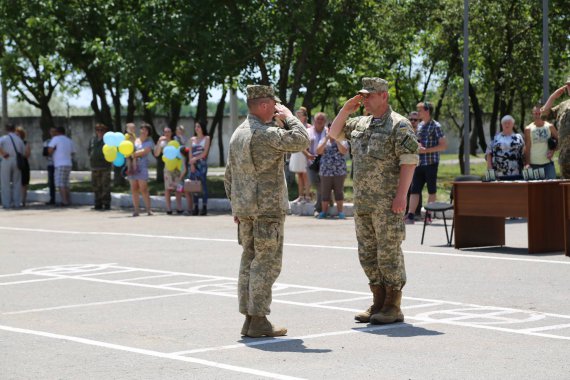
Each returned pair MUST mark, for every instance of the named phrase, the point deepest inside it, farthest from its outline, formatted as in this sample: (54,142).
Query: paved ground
(101,295)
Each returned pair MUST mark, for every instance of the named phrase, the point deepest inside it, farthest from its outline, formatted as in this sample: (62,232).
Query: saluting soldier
(385,154)
(255,184)
(560,113)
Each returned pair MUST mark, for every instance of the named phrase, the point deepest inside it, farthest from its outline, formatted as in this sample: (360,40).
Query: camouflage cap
(256,91)
(374,84)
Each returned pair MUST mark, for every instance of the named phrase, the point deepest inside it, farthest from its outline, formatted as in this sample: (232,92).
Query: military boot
(378,295)
(391,311)
(245,326)
(260,326)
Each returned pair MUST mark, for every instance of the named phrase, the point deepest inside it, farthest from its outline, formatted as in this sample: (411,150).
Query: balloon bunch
(171,156)
(116,148)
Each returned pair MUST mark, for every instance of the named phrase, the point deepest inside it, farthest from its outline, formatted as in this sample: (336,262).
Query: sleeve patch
(410,144)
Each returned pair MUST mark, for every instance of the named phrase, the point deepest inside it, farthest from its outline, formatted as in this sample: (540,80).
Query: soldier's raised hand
(352,104)
(282,112)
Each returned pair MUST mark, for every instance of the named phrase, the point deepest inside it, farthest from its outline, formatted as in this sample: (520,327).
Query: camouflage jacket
(561,114)
(255,177)
(379,147)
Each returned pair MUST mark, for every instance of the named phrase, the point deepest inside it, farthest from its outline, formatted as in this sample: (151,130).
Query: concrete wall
(80,129)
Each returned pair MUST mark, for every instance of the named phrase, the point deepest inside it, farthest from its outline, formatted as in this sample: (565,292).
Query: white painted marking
(304,337)
(169,237)
(106,273)
(27,281)
(546,328)
(293,293)
(95,304)
(176,283)
(12,275)
(152,353)
(145,277)
(344,300)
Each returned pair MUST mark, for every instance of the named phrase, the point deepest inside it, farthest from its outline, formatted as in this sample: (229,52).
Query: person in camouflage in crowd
(100,170)
(255,184)
(560,113)
(385,155)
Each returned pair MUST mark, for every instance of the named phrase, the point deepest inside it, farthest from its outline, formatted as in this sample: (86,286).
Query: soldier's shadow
(397,330)
(282,345)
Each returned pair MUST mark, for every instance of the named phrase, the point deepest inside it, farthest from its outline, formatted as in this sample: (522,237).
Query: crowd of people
(59,152)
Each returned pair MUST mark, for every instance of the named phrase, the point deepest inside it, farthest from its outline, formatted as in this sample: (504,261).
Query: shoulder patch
(410,144)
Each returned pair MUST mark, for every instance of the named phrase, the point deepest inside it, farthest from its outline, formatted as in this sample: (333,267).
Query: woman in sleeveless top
(298,163)
(198,164)
(537,152)
(139,179)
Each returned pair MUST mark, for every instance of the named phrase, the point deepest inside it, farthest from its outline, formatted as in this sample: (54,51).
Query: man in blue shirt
(432,141)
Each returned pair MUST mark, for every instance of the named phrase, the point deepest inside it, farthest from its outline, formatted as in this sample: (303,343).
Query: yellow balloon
(174,143)
(126,148)
(108,149)
(171,165)
(110,157)
(164,159)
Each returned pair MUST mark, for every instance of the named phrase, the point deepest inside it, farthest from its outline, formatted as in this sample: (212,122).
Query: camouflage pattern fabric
(262,241)
(257,91)
(255,184)
(380,236)
(374,85)
(101,182)
(379,147)
(255,177)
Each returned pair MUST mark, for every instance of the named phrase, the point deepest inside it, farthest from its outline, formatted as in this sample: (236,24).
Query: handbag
(192,186)
(552,143)
(316,164)
(20,159)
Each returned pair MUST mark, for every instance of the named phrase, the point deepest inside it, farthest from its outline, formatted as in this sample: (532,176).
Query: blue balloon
(119,137)
(109,138)
(170,152)
(120,160)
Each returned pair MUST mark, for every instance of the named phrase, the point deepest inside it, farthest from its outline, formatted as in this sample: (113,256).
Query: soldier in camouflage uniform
(255,184)
(100,170)
(560,113)
(385,154)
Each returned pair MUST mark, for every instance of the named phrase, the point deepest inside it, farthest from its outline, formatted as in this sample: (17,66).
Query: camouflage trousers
(380,236)
(101,182)
(262,241)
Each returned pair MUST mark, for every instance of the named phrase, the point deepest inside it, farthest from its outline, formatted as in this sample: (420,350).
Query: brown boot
(260,326)
(391,311)
(378,295)
(245,326)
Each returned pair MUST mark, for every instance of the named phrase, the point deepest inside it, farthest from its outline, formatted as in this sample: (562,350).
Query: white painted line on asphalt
(262,342)
(13,275)
(146,277)
(344,300)
(95,304)
(176,283)
(294,293)
(170,237)
(152,353)
(106,273)
(545,328)
(27,281)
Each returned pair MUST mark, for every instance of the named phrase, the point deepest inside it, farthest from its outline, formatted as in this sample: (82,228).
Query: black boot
(204,210)
(195,210)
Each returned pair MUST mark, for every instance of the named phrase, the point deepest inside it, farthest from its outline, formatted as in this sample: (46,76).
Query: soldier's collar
(382,119)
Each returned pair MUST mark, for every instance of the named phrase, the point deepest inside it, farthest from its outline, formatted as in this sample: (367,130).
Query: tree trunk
(218,123)
(174,115)
(131,105)
(202,108)
(477,134)
(46,119)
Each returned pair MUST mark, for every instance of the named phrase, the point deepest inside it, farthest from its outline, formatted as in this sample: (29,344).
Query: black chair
(442,207)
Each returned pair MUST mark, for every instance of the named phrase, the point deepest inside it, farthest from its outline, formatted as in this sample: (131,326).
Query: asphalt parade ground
(102,295)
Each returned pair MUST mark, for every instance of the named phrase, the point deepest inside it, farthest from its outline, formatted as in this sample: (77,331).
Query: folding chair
(442,207)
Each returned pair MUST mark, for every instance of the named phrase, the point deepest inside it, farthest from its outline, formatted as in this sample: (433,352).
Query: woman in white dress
(298,163)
